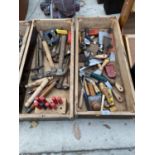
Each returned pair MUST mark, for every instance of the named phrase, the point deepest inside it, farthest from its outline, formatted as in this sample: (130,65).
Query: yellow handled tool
(63,32)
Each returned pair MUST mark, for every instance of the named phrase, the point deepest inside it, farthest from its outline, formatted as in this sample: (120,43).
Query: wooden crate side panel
(76,66)
(26,117)
(22,28)
(125,74)
(93,22)
(57,23)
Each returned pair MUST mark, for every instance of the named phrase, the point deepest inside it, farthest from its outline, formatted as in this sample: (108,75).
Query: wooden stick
(35,83)
(48,89)
(47,52)
(81,98)
(38,90)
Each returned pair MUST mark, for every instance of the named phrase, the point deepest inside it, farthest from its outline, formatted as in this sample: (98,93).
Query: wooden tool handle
(104,90)
(96,88)
(86,88)
(48,54)
(119,87)
(48,89)
(38,90)
(81,98)
(91,89)
(105,62)
(35,83)
(101,56)
(65,82)
(117,95)
(102,103)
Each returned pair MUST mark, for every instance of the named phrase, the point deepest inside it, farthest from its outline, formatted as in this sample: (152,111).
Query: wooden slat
(126,10)
(130,48)
(25,28)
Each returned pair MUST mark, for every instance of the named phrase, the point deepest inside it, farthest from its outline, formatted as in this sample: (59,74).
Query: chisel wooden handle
(94,85)
(96,88)
(91,89)
(104,90)
(48,54)
(38,90)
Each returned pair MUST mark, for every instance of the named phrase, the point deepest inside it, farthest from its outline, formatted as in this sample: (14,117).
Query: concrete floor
(79,136)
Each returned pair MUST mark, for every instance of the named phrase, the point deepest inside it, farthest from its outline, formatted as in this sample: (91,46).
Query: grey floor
(79,136)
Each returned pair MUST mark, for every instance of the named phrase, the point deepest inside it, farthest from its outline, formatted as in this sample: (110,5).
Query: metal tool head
(92,62)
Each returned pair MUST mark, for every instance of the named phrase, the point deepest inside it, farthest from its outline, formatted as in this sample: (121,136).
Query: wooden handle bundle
(38,90)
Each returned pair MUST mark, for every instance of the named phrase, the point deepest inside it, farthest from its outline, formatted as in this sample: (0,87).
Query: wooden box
(25,30)
(127,107)
(44,25)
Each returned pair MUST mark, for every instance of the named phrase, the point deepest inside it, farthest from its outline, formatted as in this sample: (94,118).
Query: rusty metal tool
(39,60)
(62,53)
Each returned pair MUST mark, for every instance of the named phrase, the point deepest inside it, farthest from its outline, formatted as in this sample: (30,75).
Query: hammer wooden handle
(48,89)
(48,54)
(38,90)
(34,84)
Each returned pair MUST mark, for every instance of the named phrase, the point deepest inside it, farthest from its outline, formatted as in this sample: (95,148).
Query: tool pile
(100,81)
(50,69)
